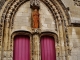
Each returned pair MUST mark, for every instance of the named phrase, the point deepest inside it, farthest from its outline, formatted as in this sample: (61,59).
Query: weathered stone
(36,47)
(53,19)
(4,58)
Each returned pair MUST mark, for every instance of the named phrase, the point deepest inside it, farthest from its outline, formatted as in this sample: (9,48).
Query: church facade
(39,30)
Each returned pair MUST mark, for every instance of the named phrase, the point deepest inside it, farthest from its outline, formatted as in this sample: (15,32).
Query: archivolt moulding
(12,7)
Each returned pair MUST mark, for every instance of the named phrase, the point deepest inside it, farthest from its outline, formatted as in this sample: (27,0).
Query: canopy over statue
(34,3)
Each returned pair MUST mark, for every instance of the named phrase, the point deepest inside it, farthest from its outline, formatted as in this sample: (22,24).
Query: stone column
(36,45)
(61,41)
(5,40)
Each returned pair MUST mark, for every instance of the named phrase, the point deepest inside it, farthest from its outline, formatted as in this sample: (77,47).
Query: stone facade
(55,19)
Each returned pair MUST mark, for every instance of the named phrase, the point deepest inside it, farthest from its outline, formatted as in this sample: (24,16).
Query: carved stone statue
(35,18)
(34,4)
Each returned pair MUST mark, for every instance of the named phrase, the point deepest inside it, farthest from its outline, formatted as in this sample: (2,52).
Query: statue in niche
(35,5)
(35,18)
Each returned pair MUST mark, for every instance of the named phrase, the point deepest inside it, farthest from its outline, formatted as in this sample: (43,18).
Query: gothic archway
(12,7)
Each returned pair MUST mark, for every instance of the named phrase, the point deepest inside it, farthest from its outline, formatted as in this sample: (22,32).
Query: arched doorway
(48,51)
(21,47)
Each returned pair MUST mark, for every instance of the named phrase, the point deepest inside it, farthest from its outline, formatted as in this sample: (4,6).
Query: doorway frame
(55,36)
(15,33)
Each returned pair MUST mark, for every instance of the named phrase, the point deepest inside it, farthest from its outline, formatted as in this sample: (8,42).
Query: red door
(48,48)
(21,48)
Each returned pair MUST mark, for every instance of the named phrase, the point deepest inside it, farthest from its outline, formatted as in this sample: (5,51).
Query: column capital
(36,30)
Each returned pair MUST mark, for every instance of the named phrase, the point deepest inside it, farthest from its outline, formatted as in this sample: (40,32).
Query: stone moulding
(13,6)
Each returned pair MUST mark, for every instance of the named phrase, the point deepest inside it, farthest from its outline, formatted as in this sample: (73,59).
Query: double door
(22,48)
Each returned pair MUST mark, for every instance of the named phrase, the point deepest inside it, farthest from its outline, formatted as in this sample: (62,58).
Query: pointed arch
(11,9)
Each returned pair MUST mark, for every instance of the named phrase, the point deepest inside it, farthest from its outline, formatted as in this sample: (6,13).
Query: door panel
(48,48)
(21,48)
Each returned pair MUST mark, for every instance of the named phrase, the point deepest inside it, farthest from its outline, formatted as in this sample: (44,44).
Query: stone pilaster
(36,47)
(34,4)
(61,42)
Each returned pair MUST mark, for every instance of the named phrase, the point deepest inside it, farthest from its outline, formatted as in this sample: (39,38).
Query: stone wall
(74,38)
(52,22)
(22,19)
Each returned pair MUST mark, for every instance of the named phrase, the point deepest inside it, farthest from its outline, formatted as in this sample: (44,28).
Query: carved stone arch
(10,10)
(59,13)
(12,7)
(7,22)
(50,34)
(20,32)
(65,10)
(62,20)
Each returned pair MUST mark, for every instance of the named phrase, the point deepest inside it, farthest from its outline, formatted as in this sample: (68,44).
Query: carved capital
(36,30)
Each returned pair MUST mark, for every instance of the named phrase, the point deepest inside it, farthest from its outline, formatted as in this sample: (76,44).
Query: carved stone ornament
(77,2)
(34,4)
